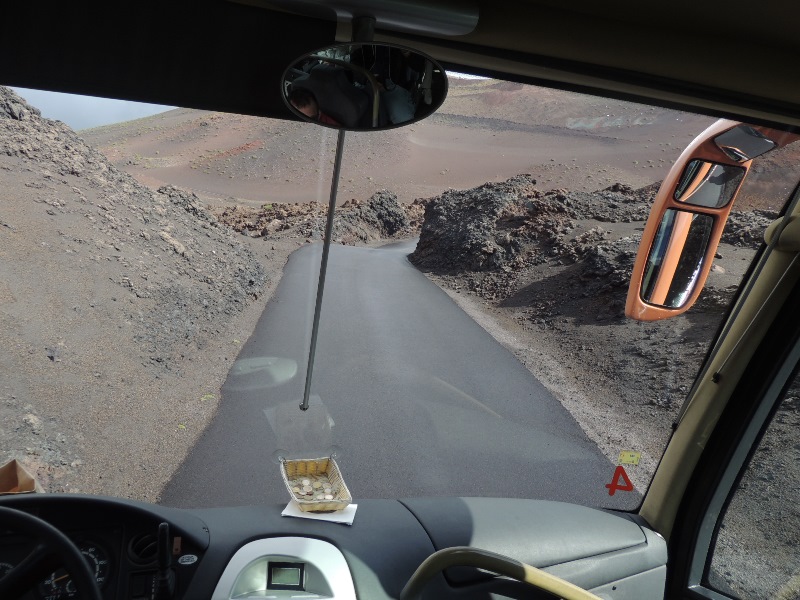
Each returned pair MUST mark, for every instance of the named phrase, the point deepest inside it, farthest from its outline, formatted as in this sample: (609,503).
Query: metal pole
(323,267)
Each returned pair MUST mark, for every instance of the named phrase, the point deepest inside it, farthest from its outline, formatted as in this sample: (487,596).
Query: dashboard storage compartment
(315,484)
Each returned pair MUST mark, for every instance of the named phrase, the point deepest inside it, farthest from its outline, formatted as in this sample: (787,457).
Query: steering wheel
(464,556)
(52,551)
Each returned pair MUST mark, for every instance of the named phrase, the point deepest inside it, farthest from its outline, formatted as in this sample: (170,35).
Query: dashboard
(254,552)
(118,540)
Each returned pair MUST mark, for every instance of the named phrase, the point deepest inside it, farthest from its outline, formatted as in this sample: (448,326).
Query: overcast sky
(82,112)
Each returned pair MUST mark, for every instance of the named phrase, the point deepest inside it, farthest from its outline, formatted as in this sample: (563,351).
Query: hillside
(112,297)
(569,140)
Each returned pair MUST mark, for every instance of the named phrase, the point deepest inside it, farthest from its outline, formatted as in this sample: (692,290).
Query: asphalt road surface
(414,397)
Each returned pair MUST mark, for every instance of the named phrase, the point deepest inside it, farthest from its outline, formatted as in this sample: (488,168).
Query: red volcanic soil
(485,131)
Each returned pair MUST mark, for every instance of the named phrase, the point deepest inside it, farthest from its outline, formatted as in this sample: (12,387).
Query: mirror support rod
(323,267)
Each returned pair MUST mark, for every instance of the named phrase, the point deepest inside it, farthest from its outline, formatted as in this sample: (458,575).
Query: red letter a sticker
(615,485)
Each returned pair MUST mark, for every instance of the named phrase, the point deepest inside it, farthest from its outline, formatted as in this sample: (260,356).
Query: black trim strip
(645,81)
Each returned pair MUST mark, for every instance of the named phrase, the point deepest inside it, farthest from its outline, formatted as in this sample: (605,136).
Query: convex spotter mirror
(688,217)
(364,86)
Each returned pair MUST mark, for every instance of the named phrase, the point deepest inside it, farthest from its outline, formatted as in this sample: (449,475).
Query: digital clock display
(285,576)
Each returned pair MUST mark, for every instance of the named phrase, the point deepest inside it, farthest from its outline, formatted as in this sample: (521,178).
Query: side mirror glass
(703,183)
(744,143)
(364,86)
(676,258)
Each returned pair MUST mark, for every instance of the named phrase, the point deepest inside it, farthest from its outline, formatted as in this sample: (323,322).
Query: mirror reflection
(744,143)
(708,184)
(260,373)
(297,433)
(364,86)
(676,258)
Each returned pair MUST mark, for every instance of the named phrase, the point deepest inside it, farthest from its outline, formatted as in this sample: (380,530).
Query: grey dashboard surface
(537,532)
(383,547)
(389,539)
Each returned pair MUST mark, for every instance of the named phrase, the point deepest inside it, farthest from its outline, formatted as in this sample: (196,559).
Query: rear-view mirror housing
(364,86)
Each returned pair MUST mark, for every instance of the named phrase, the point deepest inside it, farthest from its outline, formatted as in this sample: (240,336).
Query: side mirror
(688,217)
(364,86)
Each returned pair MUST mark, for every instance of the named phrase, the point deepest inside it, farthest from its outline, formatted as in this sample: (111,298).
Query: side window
(757,550)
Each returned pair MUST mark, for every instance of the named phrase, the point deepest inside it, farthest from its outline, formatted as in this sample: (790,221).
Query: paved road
(418,399)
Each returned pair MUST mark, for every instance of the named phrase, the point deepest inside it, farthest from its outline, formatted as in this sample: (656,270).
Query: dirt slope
(563,137)
(109,293)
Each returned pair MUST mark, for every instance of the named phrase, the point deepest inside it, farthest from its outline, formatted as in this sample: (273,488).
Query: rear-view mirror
(364,86)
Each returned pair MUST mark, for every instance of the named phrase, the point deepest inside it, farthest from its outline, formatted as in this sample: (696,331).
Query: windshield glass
(158,280)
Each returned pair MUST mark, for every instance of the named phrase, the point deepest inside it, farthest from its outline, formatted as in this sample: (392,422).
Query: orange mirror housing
(688,217)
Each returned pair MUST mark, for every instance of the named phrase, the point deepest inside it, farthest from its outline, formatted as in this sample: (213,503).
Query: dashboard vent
(143,548)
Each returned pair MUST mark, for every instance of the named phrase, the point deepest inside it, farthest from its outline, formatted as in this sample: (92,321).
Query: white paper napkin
(344,516)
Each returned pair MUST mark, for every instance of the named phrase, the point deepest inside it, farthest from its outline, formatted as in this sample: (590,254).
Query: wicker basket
(291,468)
